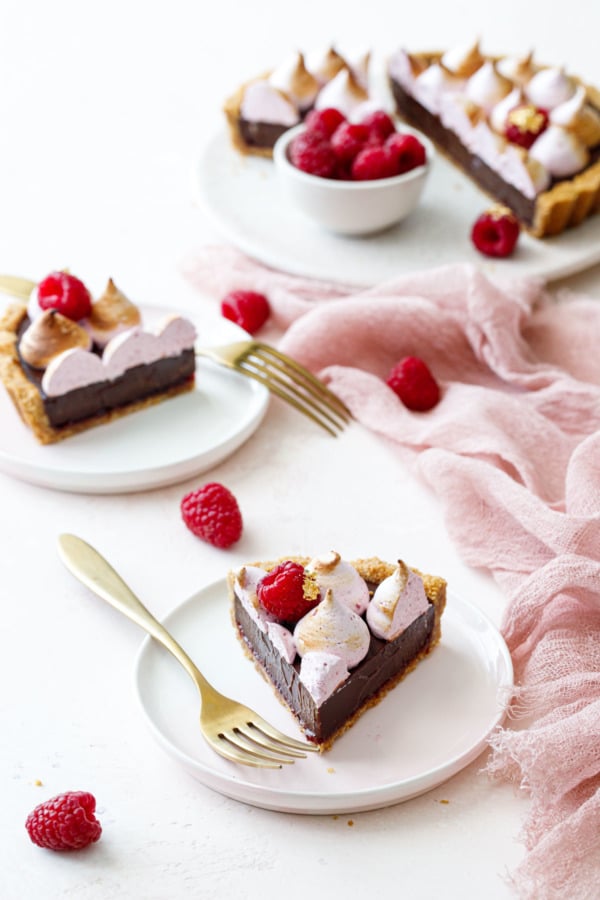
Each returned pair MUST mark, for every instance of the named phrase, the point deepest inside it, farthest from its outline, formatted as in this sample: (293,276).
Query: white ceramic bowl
(351,207)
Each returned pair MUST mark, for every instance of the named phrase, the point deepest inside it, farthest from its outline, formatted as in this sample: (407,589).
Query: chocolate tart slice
(265,107)
(254,138)
(385,663)
(54,418)
(563,200)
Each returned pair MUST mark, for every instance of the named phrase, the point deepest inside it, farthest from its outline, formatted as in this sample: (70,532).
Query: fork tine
(236,739)
(299,387)
(312,384)
(290,394)
(244,741)
(259,739)
(296,383)
(260,723)
(231,751)
(302,390)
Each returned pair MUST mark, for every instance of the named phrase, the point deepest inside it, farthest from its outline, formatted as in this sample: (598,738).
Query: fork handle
(89,567)
(16,286)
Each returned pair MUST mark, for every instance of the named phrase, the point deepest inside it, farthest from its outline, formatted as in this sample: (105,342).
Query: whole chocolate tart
(385,663)
(527,134)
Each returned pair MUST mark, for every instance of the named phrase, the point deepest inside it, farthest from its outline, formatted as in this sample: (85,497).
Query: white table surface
(103,111)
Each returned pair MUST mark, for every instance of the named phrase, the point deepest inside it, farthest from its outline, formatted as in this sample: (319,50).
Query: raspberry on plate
(66,294)
(372,163)
(314,154)
(412,381)
(324,121)
(248,309)
(65,822)
(496,232)
(212,513)
(288,592)
(407,150)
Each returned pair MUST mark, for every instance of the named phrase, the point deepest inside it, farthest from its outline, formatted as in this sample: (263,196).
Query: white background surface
(103,113)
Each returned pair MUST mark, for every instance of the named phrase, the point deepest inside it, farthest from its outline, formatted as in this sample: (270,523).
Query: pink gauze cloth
(513,453)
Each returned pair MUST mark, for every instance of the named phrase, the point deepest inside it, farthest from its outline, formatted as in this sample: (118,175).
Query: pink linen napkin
(513,452)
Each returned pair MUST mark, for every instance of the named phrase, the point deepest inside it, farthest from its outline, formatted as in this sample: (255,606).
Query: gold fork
(278,372)
(231,729)
(284,377)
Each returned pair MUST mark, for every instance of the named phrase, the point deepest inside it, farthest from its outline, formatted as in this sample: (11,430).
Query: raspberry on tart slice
(66,294)
(496,232)
(288,592)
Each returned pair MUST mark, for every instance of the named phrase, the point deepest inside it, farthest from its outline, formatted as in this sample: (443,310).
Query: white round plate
(429,727)
(251,209)
(161,445)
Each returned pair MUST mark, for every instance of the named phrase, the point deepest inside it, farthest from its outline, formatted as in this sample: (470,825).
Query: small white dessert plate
(250,208)
(427,729)
(161,445)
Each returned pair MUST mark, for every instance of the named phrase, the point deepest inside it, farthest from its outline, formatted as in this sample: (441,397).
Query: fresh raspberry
(312,153)
(525,123)
(372,163)
(407,150)
(288,592)
(324,121)
(248,309)
(413,382)
(66,294)
(348,139)
(212,513)
(66,822)
(380,126)
(496,232)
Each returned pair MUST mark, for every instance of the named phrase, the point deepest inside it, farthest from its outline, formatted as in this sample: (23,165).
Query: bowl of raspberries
(353,177)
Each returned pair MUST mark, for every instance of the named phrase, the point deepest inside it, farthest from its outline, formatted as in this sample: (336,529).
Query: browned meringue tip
(355,87)
(332,63)
(586,127)
(417,64)
(468,62)
(111,309)
(302,84)
(48,336)
(326,563)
